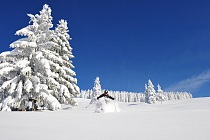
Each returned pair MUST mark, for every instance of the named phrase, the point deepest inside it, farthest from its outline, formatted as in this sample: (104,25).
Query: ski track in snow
(172,120)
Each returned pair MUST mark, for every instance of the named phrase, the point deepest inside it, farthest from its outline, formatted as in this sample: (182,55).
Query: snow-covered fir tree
(39,67)
(159,95)
(97,87)
(62,82)
(150,95)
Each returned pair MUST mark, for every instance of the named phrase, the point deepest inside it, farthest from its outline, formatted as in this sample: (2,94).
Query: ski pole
(115,106)
(87,106)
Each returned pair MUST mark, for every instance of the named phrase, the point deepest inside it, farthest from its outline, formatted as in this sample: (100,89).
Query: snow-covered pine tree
(159,95)
(97,87)
(16,82)
(63,82)
(146,93)
(96,91)
(33,68)
(30,71)
(150,96)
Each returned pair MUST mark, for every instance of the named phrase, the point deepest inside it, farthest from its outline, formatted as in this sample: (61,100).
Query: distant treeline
(124,96)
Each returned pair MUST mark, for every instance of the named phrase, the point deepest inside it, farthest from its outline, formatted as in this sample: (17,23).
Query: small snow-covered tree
(150,96)
(97,87)
(159,95)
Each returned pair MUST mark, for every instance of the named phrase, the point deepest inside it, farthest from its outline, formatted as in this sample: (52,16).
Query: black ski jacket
(105,95)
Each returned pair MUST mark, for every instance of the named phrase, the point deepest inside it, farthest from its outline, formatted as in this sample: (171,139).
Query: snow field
(172,120)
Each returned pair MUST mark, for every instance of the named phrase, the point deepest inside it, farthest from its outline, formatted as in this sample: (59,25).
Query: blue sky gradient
(125,43)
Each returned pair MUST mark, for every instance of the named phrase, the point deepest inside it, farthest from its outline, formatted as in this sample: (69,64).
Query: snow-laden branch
(6,70)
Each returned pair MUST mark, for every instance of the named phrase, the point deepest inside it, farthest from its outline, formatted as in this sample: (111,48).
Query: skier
(94,99)
(105,94)
(105,104)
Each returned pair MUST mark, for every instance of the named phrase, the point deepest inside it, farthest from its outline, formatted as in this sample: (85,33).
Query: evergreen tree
(66,55)
(27,79)
(159,95)
(97,87)
(96,91)
(38,67)
(150,96)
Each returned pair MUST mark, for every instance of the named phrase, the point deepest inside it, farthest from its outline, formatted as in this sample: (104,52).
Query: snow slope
(172,120)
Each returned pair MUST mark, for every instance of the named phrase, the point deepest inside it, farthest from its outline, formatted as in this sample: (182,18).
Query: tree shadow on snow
(132,104)
(67,108)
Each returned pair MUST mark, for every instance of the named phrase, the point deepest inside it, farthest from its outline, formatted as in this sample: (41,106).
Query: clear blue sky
(127,42)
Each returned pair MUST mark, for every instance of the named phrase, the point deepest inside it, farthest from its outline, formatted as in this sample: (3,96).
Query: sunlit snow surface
(172,120)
